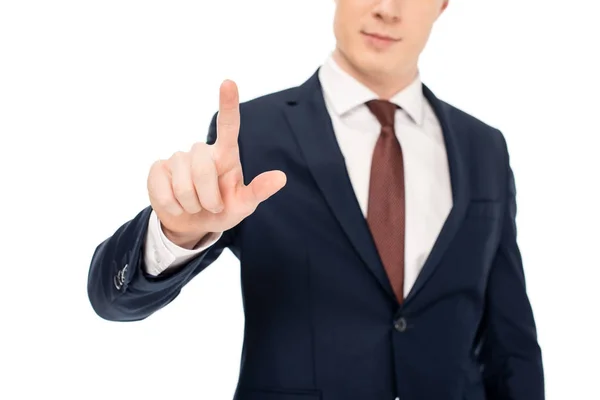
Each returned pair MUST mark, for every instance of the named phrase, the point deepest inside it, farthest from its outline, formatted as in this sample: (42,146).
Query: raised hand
(202,190)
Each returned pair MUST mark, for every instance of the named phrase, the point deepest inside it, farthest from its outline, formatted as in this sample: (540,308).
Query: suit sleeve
(511,355)
(119,285)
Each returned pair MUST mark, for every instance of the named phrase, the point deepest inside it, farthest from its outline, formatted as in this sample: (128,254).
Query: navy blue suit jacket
(321,319)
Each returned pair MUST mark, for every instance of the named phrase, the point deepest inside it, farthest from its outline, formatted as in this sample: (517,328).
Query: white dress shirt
(427,179)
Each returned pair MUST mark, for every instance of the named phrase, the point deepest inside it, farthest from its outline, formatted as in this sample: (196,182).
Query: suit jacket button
(117,282)
(119,278)
(400,324)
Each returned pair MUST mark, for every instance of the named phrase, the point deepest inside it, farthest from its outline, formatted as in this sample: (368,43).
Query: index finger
(228,118)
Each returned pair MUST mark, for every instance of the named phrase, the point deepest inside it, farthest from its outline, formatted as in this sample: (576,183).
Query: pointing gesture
(201,191)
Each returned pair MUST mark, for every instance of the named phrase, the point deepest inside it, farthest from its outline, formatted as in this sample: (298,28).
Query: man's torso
(320,319)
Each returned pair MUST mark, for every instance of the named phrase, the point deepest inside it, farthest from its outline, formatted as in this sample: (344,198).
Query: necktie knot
(384,111)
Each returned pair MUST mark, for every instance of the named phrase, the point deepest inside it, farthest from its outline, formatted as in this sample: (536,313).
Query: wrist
(186,241)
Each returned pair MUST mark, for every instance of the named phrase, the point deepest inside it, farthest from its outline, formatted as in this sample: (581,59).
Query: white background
(92,92)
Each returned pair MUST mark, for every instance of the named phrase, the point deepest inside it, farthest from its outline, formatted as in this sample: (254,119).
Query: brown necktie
(385,215)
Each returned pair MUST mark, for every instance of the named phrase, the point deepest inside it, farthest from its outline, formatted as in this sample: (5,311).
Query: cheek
(350,41)
(418,37)
(342,31)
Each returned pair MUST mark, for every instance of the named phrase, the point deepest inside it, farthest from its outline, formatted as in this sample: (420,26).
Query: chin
(372,64)
(366,62)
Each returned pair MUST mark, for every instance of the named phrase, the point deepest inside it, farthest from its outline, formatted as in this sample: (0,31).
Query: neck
(384,85)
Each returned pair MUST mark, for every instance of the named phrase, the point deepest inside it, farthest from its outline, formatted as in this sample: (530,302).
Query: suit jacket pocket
(277,394)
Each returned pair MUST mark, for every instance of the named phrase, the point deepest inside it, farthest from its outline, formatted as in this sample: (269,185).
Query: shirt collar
(345,93)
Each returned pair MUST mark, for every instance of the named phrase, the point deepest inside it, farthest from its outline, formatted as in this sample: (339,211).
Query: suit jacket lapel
(311,124)
(456,148)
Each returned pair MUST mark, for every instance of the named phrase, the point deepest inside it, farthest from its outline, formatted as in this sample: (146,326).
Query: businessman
(374,223)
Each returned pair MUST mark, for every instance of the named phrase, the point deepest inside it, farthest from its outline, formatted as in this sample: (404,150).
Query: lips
(381,37)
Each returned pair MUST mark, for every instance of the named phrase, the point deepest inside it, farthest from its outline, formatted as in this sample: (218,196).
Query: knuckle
(199,148)
(203,166)
(228,116)
(155,168)
(182,191)
(223,152)
(164,202)
(217,155)
(227,123)
(155,179)
(156,164)
(203,172)
(179,155)
(226,158)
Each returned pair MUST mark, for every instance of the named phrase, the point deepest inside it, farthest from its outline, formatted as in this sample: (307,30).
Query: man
(375,225)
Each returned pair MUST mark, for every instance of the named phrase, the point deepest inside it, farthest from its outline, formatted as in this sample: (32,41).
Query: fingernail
(218,209)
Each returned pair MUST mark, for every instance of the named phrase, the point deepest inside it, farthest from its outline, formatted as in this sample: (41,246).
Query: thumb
(262,187)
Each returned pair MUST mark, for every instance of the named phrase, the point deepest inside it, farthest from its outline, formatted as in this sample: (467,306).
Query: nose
(387,10)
